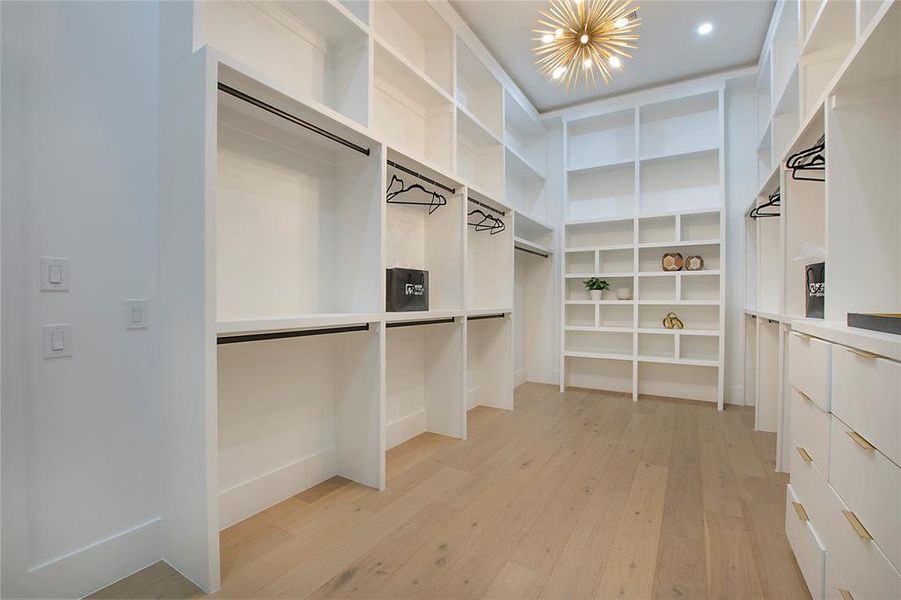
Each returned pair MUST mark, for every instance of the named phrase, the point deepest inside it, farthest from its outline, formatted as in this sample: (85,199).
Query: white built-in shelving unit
(641,182)
(830,69)
(282,125)
(825,71)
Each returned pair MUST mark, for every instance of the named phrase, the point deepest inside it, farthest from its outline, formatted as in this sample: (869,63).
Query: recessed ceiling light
(705,28)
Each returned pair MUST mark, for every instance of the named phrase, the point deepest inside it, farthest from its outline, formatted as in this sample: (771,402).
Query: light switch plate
(136,313)
(57,340)
(54,274)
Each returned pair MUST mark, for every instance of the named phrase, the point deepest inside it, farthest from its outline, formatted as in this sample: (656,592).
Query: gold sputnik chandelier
(579,39)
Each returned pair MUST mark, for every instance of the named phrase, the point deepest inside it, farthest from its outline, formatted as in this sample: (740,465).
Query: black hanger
(436,200)
(774,200)
(487,223)
(812,159)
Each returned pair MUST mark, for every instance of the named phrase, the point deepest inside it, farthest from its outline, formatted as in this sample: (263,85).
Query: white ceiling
(669,48)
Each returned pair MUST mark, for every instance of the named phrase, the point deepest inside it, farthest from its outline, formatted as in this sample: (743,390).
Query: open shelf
(409,112)
(618,232)
(574,289)
(601,140)
(416,239)
(786,117)
(676,127)
(694,317)
(419,36)
(863,270)
(489,266)
(596,342)
(699,227)
(525,135)
(525,188)
(489,372)
(650,258)
(599,371)
(785,50)
(804,217)
(604,192)
(480,155)
(478,91)
(314,51)
(533,231)
(686,182)
(280,251)
(290,415)
(424,374)
(678,378)
(653,345)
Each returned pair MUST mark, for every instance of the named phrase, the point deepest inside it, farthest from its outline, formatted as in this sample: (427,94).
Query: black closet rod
(541,254)
(280,335)
(481,317)
(491,208)
(391,163)
(289,117)
(414,323)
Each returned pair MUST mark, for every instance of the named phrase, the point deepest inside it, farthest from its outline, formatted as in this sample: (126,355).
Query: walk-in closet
(450,298)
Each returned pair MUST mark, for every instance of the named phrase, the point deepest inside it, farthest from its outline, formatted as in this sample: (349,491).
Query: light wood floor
(575,495)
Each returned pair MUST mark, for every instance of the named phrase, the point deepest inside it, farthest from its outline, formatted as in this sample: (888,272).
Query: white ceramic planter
(595,294)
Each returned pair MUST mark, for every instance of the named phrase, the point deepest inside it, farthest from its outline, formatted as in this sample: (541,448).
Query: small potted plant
(595,287)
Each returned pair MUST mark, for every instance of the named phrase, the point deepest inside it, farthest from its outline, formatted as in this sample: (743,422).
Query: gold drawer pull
(846,595)
(804,455)
(862,353)
(859,439)
(857,525)
(799,510)
(802,336)
(803,395)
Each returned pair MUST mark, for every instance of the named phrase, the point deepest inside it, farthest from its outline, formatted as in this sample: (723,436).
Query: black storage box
(407,289)
(815,292)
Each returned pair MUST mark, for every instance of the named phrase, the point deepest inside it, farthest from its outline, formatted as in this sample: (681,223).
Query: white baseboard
(250,497)
(94,566)
(399,431)
(472,398)
(734,394)
(519,377)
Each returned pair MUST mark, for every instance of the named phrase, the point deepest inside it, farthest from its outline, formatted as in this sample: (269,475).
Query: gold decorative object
(694,263)
(671,321)
(672,261)
(577,39)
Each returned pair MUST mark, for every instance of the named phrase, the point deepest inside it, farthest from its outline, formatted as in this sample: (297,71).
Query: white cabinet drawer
(866,394)
(804,543)
(810,428)
(833,587)
(809,367)
(870,485)
(858,562)
(810,488)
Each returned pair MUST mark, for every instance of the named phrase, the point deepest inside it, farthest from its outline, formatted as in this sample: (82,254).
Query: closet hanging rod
(291,118)
(482,317)
(280,335)
(541,254)
(391,163)
(423,322)
(491,208)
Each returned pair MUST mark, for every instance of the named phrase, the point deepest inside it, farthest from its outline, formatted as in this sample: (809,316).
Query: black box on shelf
(407,290)
(815,292)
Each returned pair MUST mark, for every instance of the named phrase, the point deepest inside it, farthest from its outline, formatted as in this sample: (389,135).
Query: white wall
(741,185)
(81,434)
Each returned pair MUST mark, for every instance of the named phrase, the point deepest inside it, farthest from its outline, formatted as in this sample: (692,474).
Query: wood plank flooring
(574,495)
